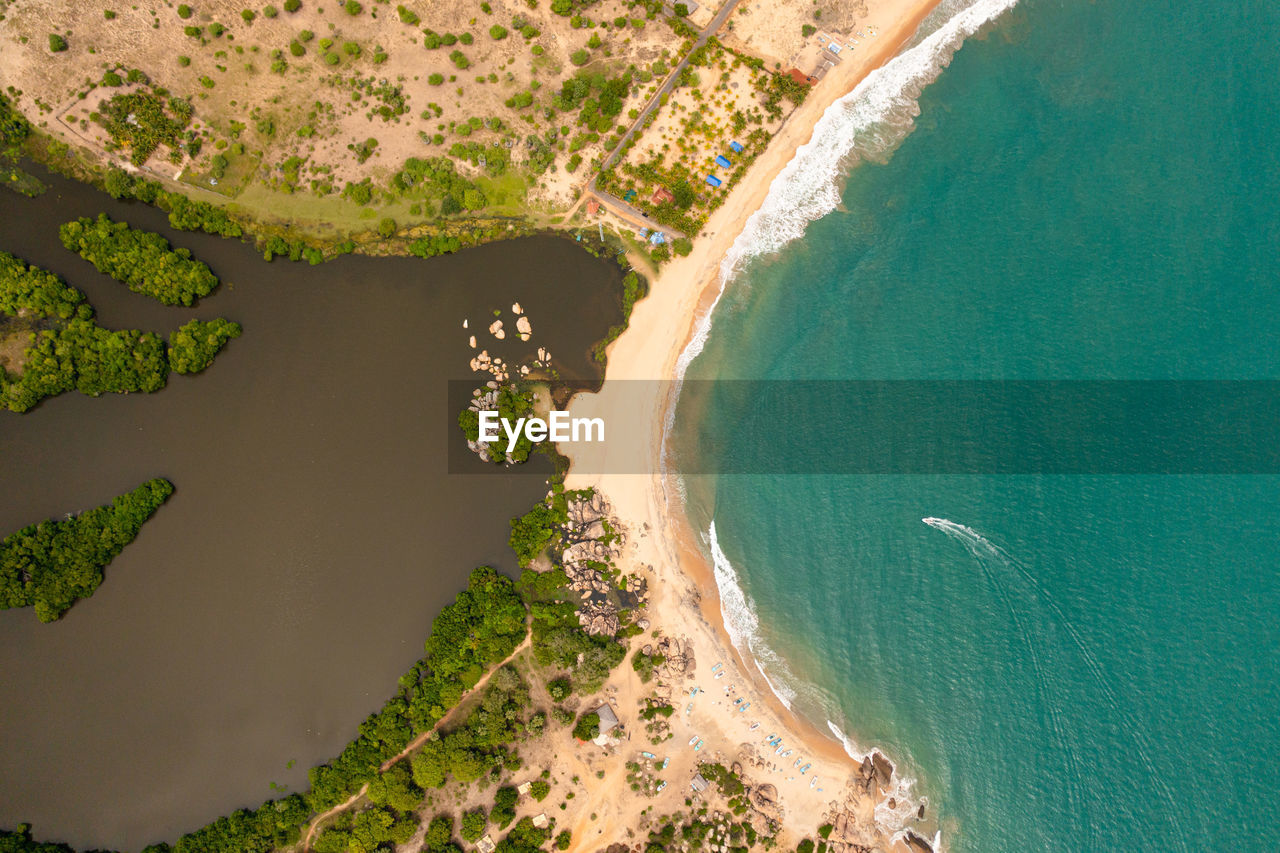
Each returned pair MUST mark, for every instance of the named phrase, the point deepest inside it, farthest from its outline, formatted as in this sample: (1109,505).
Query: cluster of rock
(875,774)
(500,370)
(679,660)
(483,399)
(485,363)
(594,535)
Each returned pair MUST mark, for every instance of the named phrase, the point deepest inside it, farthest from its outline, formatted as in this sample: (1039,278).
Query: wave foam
(867,123)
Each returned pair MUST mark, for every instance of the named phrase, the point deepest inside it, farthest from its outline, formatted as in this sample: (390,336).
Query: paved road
(712,29)
(635,216)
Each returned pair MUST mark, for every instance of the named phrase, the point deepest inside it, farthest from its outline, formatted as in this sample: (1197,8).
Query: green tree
(497,32)
(57,43)
(49,566)
(587,727)
(140,259)
(193,346)
(473,825)
(387,227)
(579,57)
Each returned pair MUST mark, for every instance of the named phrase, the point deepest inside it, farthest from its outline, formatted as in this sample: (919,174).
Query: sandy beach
(685,603)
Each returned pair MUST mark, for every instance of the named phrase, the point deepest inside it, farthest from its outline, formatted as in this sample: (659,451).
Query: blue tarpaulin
(713,180)
(736,147)
(723,161)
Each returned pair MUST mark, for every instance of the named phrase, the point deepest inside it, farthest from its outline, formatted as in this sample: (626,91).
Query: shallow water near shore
(273,602)
(1091,191)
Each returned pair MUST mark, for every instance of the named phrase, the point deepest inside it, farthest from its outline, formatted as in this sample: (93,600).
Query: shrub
(57,43)
(108,14)
(216,29)
(539,790)
(350,48)
(497,32)
(353,8)
(594,42)
(194,32)
(111,78)
(270,12)
(306,36)
(248,15)
(466,38)
(184,11)
(682,246)
(436,79)
(387,227)
(332,59)
(564,839)
(407,16)
(460,59)
(807,30)
(296,49)
(292,5)
(579,57)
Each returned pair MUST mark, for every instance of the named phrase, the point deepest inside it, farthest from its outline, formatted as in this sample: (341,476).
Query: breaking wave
(866,124)
(738,612)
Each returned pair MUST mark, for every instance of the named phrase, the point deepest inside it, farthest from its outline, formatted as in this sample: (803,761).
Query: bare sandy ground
(685,603)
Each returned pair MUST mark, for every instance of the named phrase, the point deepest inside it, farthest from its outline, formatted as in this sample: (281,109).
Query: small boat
(738,701)
(769,738)
(787,754)
(651,755)
(689,709)
(699,745)
(693,740)
(719,675)
(805,769)
(754,726)
(813,781)
(797,764)
(664,764)
(744,708)
(661,785)
(716,667)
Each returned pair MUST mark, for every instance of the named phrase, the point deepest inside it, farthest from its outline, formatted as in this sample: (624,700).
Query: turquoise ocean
(1086,190)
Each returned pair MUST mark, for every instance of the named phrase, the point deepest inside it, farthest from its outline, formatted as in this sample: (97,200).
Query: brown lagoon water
(272,603)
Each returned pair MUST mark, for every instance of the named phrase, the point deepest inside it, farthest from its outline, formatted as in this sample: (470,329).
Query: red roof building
(593,206)
(661,194)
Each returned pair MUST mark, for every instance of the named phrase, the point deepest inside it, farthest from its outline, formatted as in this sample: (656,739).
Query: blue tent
(713,180)
(723,161)
(736,147)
